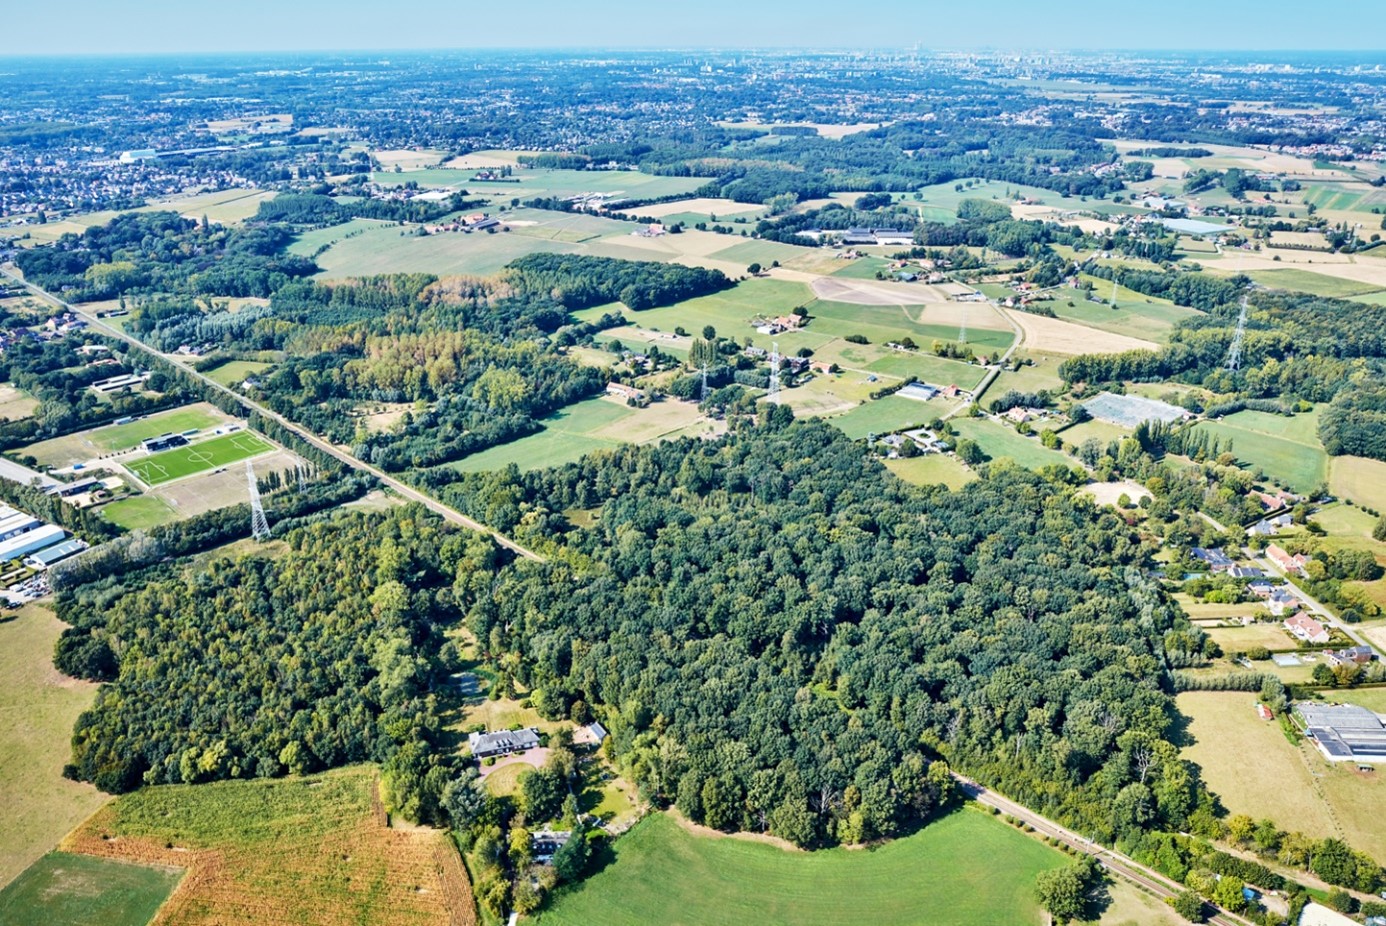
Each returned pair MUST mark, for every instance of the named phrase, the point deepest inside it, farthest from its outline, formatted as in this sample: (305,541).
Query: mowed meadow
(967,869)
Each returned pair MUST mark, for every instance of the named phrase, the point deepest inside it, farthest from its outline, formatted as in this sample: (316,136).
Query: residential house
(503,742)
(820,366)
(1349,656)
(1244,572)
(1281,601)
(1307,629)
(1215,560)
(1290,564)
(1267,527)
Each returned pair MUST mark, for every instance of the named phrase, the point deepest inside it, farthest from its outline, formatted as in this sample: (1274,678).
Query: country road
(1111,860)
(404,490)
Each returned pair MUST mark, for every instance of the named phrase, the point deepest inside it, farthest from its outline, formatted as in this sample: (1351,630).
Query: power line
(259,524)
(774,395)
(1234,354)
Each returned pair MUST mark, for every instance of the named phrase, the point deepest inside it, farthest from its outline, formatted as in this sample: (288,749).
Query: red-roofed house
(1307,629)
(1285,561)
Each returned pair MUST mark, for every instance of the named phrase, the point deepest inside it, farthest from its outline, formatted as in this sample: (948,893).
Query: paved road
(1313,603)
(24,475)
(1111,860)
(994,370)
(405,490)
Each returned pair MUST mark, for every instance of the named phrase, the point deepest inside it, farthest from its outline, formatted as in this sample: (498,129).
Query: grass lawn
(293,850)
(1306,281)
(1360,480)
(233,372)
(998,441)
(15,403)
(1351,528)
(937,370)
(967,868)
(84,445)
(729,311)
(1043,373)
(1273,637)
(203,455)
(78,890)
(881,416)
(505,780)
(593,424)
(139,513)
(38,707)
(932,469)
(1254,769)
(1275,446)
(1104,431)
(1136,315)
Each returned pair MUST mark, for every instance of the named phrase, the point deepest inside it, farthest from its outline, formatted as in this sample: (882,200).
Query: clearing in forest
(967,868)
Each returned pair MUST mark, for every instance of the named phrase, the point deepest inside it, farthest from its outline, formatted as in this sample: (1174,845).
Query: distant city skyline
(174,26)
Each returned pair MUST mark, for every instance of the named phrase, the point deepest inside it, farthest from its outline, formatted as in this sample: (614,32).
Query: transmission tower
(962,327)
(302,470)
(259,524)
(702,396)
(1114,292)
(774,394)
(1234,353)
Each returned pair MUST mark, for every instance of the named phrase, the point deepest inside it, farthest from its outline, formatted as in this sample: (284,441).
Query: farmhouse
(1343,732)
(1307,629)
(503,742)
(622,391)
(544,844)
(1290,564)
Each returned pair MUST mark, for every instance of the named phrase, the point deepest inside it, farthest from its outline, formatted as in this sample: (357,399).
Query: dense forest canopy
(782,636)
(262,666)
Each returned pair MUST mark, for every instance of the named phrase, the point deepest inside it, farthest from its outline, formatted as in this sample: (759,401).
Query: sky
(179,26)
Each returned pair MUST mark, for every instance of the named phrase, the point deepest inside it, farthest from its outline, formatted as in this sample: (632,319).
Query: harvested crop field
(299,850)
(1056,336)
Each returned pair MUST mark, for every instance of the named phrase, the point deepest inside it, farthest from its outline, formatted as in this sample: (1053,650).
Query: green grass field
(196,458)
(78,890)
(37,710)
(587,426)
(1306,281)
(965,869)
(931,469)
(234,372)
(1135,315)
(71,448)
(1360,480)
(1279,447)
(1291,785)
(882,416)
(999,441)
(139,513)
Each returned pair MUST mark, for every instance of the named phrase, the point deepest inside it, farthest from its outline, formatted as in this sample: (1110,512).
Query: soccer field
(195,458)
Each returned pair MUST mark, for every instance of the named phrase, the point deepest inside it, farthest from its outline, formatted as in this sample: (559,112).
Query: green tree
(1064,891)
(1189,905)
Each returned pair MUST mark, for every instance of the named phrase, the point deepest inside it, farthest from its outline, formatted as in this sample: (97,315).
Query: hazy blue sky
(87,26)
